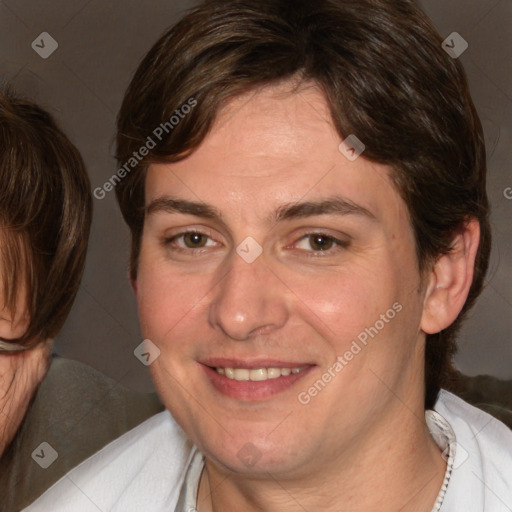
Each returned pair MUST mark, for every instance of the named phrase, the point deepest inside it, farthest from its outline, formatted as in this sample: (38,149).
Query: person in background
(45,219)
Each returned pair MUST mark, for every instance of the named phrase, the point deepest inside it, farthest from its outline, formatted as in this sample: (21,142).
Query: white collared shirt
(155,468)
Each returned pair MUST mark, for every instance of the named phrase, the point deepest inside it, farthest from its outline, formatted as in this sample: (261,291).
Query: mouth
(254,381)
(258,374)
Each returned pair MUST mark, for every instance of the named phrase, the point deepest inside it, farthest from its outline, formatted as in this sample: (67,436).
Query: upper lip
(251,364)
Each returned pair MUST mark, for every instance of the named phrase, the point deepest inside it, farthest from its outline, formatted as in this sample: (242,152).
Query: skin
(20,376)
(20,373)
(361,443)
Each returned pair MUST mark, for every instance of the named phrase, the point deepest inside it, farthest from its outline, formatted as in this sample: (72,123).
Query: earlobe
(450,280)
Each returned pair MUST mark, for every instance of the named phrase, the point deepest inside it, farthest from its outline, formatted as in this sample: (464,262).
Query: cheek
(372,308)
(166,299)
(342,303)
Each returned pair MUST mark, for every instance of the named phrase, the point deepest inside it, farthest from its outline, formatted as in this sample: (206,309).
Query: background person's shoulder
(75,412)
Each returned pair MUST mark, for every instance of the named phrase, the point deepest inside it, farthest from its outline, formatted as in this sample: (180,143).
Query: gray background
(82,82)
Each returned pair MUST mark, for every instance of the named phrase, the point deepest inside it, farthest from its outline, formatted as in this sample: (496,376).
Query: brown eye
(189,242)
(194,240)
(320,242)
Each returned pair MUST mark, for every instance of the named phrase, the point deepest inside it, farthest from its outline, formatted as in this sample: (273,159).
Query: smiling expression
(264,255)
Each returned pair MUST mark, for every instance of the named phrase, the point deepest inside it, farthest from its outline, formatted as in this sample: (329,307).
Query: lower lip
(252,390)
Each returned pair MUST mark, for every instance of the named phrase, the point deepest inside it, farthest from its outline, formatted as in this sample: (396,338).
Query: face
(279,281)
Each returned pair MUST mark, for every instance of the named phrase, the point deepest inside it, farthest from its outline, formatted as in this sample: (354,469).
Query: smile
(257,374)
(254,381)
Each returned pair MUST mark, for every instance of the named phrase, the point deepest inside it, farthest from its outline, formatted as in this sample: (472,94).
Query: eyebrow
(170,205)
(334,205)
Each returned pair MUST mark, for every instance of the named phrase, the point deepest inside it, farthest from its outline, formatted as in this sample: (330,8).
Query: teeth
(257,374)
(274,373)
(241,374)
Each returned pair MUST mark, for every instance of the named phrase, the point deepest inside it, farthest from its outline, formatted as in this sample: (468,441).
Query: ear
(450,280)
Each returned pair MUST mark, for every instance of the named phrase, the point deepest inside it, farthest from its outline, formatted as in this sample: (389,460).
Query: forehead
(272,147)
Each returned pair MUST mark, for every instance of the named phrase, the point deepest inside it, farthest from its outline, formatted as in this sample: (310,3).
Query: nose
(250,300)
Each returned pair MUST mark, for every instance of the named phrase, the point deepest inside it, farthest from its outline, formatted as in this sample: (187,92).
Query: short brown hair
(45,217)
(386,78)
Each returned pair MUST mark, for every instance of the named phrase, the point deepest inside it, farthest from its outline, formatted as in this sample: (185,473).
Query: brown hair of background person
(45,218)
(395,89)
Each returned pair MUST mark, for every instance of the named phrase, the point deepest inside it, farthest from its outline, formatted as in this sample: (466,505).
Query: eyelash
(338,244)
(169,241)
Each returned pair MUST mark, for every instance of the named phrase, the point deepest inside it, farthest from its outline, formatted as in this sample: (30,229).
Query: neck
(396,465)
